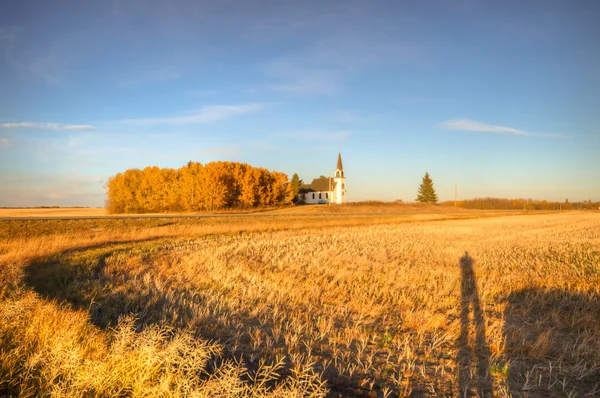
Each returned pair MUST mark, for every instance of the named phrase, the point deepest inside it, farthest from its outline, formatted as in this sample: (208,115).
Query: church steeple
(339,170)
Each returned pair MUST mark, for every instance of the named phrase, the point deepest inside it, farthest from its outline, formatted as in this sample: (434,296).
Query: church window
(319,195)
(326,195)
(313,195)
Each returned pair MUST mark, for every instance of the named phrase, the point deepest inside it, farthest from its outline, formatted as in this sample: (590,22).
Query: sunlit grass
(303,307)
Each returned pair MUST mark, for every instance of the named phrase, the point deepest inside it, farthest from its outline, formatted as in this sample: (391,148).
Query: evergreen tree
(426,192)
(296,184)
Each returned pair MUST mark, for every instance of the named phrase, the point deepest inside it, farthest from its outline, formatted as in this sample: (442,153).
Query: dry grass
(424,305)
(373,207)
(53,212)
(81,212)
(356,207)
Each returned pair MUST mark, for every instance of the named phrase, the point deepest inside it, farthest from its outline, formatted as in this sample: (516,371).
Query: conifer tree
(296,183)
(426,192)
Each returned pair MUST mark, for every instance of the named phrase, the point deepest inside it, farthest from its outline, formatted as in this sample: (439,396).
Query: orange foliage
(196,187)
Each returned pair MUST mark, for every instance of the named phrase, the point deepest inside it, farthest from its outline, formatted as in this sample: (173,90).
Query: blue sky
(499,98)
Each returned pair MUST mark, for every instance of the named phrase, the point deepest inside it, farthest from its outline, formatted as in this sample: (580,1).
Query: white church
(326,189)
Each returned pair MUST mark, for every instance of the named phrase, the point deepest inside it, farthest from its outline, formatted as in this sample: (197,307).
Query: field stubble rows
(497,306)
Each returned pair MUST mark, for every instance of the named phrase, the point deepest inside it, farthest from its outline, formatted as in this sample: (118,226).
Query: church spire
(339,170)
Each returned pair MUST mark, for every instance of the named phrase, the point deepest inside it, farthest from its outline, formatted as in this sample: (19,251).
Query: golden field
(53,212)
(464,304)
(356,207)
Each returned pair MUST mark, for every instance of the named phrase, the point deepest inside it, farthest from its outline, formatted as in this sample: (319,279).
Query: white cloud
(48,126)
(469,125)
(315,135)
(76,127)
(207,114)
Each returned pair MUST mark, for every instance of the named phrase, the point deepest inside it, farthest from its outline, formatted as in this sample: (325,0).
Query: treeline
(522,204)
(196,187)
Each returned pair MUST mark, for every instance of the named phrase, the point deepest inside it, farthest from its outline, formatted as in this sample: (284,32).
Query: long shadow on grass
(552,343)
(473,357)
(86,279)
(79,278)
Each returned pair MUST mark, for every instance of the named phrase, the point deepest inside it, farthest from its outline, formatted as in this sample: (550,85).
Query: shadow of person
(552,343)
(472,351)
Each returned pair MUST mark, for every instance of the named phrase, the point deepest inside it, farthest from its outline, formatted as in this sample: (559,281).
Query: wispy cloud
(196,93)
(296,80)
(7,39)
(48,126)
(324,66)
(207,114)
(469,125)
(315,135)
(264,145)
(231,150)
(346,116)
(150,77)
(4,142)
(45,65)
(37,189)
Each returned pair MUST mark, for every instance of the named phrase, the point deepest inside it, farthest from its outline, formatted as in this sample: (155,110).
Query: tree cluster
(196,187)
(522,204)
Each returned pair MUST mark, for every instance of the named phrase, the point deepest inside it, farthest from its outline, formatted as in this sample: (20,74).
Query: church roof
(339,163)
(322,184)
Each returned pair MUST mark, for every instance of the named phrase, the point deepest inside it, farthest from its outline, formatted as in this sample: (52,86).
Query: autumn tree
(121,192)
(426,192)
(189,186)
(157,190)
(196,187)
(250,195)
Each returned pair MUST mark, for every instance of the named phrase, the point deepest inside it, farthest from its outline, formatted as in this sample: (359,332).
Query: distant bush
(521,204)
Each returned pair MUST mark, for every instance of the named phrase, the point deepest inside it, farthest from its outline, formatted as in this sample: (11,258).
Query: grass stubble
(421,305)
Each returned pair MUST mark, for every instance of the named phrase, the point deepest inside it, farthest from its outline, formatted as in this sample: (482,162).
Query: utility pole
(455,190)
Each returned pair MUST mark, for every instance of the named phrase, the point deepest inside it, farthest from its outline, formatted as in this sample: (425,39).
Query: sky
(500,99)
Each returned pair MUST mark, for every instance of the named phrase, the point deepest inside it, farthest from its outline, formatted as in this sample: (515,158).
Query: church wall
(340,193)
(325,197)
